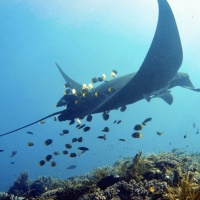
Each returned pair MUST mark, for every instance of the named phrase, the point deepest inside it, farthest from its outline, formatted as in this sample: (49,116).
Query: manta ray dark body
(158,74)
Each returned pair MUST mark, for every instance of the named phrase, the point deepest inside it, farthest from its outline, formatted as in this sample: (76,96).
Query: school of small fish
(86,128)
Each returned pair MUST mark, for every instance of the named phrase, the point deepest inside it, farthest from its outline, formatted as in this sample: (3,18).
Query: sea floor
(168,175)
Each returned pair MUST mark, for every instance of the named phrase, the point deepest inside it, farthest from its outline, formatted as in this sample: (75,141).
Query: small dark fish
(123,108)
(107,181)
(42,162)
(13,153)
(87,128)
(194,125)
(72,122)
(137,135)
(106,129)
(53,164)
(89,118)
(138,127)
(72,167)
(30,144)
(114,71)
(119,121)
(102,137)
(12,163)
(123,140)
(80,139)
(48,158)
(68,146)
(1,150)
(100,79)
(65,131)
(83,148)
(31,133)
(65,152)
(106,117)
(56,153)
(146,120)
(48,141)
(78,125)
(185,136)
(72,155)
(82,126)
(197,131)
(74,140)
(114,121)
(94,80)
(159,133)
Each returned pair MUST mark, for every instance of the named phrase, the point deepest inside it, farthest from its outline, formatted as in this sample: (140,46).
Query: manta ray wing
(74,84)
(160,65)
(165,55)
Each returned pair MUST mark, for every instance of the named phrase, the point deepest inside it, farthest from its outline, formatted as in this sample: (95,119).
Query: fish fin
(196,90)
(74,84)
(167,97)
(147,97)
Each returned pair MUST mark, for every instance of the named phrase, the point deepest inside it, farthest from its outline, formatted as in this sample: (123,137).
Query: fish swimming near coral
(154,79)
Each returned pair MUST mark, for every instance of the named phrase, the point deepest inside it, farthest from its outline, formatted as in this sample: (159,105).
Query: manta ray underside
(158,74)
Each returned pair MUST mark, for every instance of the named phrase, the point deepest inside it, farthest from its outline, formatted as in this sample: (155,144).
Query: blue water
(87,40)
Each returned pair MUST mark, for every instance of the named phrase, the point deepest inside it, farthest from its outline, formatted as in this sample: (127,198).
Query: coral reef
(165,176)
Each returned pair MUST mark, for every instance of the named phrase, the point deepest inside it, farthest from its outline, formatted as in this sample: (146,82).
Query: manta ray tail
(31,123)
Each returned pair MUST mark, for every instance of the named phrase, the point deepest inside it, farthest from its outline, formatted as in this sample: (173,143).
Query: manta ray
(154,79)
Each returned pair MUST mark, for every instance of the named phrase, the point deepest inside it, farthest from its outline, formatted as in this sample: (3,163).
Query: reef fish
(138,127)
(48,158)
(137,135)
(146,120)
(48,142)
(30,144)
(42,162)
(31,133)
(71,167)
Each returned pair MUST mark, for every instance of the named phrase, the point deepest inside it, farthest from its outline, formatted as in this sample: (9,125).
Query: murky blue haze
(87,39)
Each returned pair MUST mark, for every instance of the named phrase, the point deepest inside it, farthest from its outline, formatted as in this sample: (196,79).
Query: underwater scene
(99,100)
